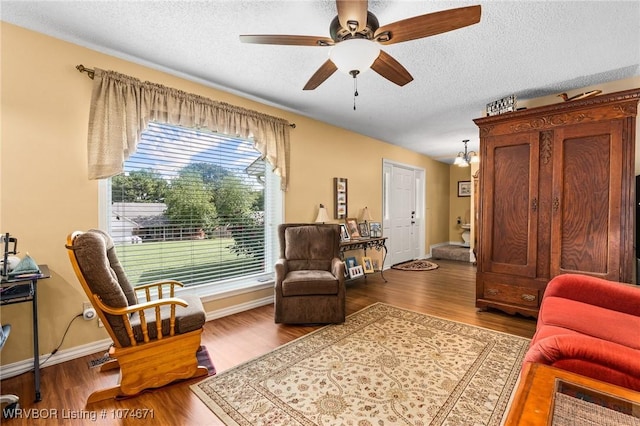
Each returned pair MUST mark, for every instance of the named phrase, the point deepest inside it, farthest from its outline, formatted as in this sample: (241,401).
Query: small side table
(28,292)
(535,398)
(377,243)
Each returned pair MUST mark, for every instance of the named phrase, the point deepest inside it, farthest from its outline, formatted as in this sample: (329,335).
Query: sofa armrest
(337,268)
(595,291)
(282,269)
(564,347)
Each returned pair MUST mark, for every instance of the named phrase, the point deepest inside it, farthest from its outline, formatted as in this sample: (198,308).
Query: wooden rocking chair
(154,341)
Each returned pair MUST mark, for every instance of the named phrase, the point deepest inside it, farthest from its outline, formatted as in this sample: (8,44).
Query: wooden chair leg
(112,364)
(200,371)
(102,394)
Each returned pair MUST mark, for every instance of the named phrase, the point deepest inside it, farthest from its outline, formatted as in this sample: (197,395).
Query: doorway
(403,211)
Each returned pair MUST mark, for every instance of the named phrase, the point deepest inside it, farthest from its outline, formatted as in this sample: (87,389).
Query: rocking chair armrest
(158,285)
(139,306)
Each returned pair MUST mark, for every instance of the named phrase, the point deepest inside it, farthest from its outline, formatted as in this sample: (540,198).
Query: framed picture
(340,195)
(344,235)
(375,229)
(464,188)
(356,271)
(352,228)
(503,105)
(346,270)
(363,228)
(351,262)
(367,265)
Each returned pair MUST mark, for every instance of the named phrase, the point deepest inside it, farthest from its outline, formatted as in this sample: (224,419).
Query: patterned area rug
(416,265)
(383,366)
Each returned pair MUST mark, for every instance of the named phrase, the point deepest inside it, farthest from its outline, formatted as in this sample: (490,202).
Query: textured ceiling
(525,48)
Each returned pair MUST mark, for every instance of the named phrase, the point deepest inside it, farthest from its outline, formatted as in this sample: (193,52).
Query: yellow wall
(45,193)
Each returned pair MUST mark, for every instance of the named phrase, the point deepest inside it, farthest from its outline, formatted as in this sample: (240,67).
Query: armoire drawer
(507,293)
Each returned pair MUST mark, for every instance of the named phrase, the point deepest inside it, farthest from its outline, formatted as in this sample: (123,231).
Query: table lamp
(366,216)
(323,216)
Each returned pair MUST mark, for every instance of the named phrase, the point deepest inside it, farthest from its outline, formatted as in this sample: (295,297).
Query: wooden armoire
(556,196)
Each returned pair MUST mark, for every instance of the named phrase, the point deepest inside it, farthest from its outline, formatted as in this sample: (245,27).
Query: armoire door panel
(587,179)
(511,198)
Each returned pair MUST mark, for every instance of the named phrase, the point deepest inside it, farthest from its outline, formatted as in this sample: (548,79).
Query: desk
(378,243)
(28,287)
(536,395)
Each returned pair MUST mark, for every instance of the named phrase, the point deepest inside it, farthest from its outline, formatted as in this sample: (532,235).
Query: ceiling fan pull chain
(354,73)
(355,91)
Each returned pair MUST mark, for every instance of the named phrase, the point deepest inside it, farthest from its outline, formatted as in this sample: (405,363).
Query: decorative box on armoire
(556,196)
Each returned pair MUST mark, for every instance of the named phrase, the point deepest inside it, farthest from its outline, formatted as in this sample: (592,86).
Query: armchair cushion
(307,283)
(188,318)
(306,247)
(115,264)
(90,248)
(92,245)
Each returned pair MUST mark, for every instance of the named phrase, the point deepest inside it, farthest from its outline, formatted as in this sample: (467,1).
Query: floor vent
(98,362)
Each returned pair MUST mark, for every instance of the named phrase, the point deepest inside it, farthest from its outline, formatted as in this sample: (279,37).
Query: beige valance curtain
(122,106)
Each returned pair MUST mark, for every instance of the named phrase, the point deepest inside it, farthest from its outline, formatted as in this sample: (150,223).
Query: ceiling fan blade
(391,69)
(323,73)
(290,40)
(352,14)
(428,25)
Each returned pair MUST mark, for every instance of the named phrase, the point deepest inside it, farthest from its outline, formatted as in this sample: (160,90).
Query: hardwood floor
(447,292)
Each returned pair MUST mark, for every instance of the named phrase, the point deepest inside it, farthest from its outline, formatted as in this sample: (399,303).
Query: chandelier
(467,157)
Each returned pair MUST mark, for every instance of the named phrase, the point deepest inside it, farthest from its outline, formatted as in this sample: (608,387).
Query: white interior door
(404,212)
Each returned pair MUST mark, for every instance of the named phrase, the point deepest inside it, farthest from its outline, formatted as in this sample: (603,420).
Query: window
(194,206)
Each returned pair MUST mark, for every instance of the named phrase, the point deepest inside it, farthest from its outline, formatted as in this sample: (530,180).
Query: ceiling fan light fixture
(356,54)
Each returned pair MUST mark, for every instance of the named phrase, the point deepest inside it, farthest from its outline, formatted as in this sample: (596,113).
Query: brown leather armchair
(309,286)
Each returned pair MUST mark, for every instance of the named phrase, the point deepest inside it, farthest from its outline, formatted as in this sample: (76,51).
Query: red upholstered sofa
(590,326)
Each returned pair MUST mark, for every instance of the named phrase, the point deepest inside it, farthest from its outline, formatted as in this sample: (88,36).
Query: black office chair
(10,400)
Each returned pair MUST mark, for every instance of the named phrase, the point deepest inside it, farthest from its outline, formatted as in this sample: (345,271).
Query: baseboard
(17,368)
(241,307)
(20,367)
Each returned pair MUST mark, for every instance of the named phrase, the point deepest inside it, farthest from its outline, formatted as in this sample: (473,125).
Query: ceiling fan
(356,36)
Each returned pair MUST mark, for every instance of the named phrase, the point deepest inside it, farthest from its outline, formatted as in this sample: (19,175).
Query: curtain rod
(91,74)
